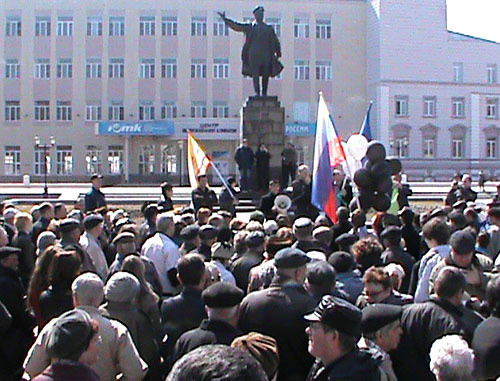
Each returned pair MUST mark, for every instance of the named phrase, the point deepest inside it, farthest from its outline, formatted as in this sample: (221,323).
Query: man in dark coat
(289,159)
(279,310)
(244,157)
(256,244)
(208,236)
(260,49)
(222,300)
(203,196)
(46,214)
(94,199)
(409,233)
(301,194)
(23,241)
(465,192)
(341,227)
(267,201)
(262,158)
(165,202)
(228,198)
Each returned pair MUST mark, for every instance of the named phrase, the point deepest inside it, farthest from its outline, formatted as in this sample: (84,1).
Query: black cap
(69,224)
(391,233)
(439,212)
(459,204)
(341,261)
(260,8)
(338,314)
(95,176)
(189,232)
(255,239)
(290,258)
(377,316)
(346,239)
(257,216)
(462,242)
(222,295)
(92,221)
(125,237)
(208,232)
(7,251)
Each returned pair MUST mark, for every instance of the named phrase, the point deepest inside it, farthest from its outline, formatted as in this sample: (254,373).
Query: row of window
(93,160)
(400,147)
(429,107)
(491,73)
(147,66)
(147,26)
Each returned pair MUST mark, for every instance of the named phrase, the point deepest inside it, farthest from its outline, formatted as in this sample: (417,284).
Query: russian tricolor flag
(328,153)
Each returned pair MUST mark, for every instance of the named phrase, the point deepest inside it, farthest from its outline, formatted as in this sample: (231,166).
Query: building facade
(117,83)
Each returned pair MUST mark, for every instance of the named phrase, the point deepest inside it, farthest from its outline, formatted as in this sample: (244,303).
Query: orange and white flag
(198,161)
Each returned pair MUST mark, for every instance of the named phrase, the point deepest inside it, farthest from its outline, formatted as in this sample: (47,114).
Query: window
(147,68)
(491,73)
(401,105)
(146,160)
(93,112)
(491,148)
(457,146)
(169,68)
(492,108)
(429,144)
(168,110)
(301,69)
(117,26)
(221,68)
(168,159)
(115,160)
(146,110)
(65,26)
(429,106)
(199,109)
(13,26)
(12,161)
(220,28)
(116,111)
(42,110)
(275,22)
(400,147)
(64,68)
(458,107)
(169,26)
(147,26)
(64,160)
(12,110)
(116,68)
(42,26)
(221,110)
(323,70)
(39,161)
(94,68)
(458,72)
(12,68)
(323,29)
(63,110)
(301,111)
(198,68)
(94,26)
(42,68)
(198,26)
(93,160)
(301,28)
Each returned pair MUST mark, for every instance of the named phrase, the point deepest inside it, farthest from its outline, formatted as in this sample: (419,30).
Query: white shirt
(427,264)
(93,249)
(225,274)
(164,253)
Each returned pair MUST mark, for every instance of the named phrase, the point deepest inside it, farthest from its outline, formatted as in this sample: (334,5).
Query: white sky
(479,18)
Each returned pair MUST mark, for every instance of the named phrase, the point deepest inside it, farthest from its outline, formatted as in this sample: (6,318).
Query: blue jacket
(244,157)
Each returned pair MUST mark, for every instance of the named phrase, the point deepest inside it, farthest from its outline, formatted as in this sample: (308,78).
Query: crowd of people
(196,293)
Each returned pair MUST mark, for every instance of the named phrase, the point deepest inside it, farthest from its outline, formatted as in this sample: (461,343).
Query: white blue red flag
(366,128)
(328,153)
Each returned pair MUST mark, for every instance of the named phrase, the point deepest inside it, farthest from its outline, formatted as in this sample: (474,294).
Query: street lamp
(180,143)
(46,148)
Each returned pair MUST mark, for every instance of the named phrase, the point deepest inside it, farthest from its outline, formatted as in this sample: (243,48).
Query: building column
(126,164)
(475,127)
(383,115)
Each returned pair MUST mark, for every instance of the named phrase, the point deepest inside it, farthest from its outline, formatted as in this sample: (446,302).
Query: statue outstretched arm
(234,25)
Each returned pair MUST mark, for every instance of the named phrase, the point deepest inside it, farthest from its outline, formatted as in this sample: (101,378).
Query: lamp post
(46,148)
(180,143)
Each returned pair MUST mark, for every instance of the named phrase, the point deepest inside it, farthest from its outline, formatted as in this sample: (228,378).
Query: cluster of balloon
(374,180)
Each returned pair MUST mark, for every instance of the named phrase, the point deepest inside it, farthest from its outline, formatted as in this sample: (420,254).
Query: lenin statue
(261,50)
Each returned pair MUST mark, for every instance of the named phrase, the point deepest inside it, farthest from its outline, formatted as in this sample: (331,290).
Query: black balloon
(376,152)
(384,185)
(363,178)
(367,164)
(381,202)
(366,198)
(395,165)
(380,170)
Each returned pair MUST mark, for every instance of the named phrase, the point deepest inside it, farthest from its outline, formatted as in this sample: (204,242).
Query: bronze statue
(261,50)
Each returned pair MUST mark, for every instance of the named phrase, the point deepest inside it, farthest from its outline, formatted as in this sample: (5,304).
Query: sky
(479,18)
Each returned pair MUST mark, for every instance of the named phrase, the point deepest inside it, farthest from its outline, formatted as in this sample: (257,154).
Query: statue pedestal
(264,122)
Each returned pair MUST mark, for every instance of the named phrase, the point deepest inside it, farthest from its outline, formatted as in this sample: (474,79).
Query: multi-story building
(118,83)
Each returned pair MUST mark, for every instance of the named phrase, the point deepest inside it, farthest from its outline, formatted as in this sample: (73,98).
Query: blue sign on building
(300,129)
(165,127)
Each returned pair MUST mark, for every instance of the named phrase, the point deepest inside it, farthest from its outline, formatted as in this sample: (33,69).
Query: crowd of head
(200,294)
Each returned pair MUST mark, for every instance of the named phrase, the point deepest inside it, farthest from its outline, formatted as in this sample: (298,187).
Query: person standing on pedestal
(288,164)
(244,157)
(262,157)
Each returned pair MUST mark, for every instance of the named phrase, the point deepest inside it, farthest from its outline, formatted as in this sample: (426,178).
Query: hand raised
(222,14)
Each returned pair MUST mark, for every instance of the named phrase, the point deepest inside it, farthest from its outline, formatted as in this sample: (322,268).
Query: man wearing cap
(256,245)
(334,328)
(222,301)
(394,253)
(189,235)
(70,241)
(94,199)
(19,336)
(93,225)
(208,236)
(302,230)
(221,255)
(301,194)
(203,196)
(381,328)
(278,312)
(46,215)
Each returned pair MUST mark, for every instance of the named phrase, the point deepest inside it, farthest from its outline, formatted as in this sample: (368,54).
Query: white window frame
(401,105)
(275,23)
(492,108)
(63,111)
(42,111)
(458,72)
(93,112)
(458,107)
(116,111)
(42,68)
(324,70)
(115,160)
(169,161)
(301,70)
(147,25)
(93,160)
(12,111)
(199,109)
(221,68)
(38,164)
(301,28)
(116,68)
(64,68)
(198,69)
(13,26)
(198,26)
(457,148)
(93,68)
(429,148)
(147,159)
(116,25)
(12,68)
(491,148)
(220,110)
(169,26)
(65,26)
(491,74)
(220,28)
(12,161)
(168,110)
(64,160)
(401,147)
(323,29)
(147,68)
(42,26)
(429,107)
(146,111)
(94,26)
(169,68)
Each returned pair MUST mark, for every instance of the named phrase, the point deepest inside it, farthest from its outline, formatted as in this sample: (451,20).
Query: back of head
(63,269)
(191,269)
(89,289)
(451,359)
(493,295)
(343,214)
(321,275)
(377,275)
(438,230)
(217,362)
(367,252)
(341,261)
(122,287)
(449,282)
(164,221)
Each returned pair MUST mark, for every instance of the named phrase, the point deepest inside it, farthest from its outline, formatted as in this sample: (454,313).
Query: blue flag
(366,129)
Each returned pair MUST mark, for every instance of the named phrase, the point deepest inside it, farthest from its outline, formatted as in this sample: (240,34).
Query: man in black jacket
(94,199)
(256,244)
(22,240)
(203,196)
(165,202)
(244,157)
(46,214)
(301,194)
(267,201)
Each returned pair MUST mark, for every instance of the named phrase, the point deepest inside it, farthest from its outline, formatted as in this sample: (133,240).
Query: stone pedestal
(264,122)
